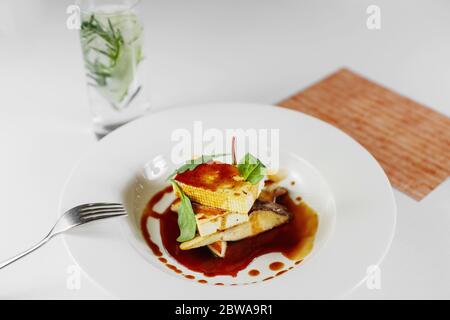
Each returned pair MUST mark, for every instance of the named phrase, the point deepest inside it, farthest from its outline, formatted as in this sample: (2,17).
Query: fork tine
(93,206)
(101,216)
(101,211)
(101,204)
(72,218)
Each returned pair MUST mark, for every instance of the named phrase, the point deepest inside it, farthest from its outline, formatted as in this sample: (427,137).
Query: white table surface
(210,51)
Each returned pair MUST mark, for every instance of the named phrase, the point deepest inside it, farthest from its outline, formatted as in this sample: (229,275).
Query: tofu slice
(219,185)
(211,220)
(219,248)
(266,217)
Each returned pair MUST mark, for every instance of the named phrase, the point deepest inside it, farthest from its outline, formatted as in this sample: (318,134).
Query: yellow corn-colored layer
(235,200)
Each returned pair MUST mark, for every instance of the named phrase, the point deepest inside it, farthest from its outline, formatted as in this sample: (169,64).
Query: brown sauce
(294,240)
(190,277)
(275,266)
(268,183)
(149,212)
(205,211)
(253,273)
(202,281)
(173,268)
(208,275)
(280,273)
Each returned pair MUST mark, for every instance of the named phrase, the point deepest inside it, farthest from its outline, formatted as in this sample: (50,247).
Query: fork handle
(23,254)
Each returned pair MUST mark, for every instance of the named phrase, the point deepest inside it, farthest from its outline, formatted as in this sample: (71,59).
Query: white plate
(333,173)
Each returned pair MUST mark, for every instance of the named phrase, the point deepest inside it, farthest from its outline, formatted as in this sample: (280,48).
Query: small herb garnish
(251,169)
(186,216)
(112,50)
(194,163)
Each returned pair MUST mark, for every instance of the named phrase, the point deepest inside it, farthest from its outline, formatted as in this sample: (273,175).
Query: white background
(203,51)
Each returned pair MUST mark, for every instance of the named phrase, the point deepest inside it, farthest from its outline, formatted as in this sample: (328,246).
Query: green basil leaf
(194,163)
(186,216)
(251,169)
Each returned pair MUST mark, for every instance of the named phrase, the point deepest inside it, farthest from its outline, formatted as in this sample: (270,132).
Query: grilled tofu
(219,185)
(264,216)
(210,220)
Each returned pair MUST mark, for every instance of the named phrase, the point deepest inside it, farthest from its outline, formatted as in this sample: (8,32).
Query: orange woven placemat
(409,140)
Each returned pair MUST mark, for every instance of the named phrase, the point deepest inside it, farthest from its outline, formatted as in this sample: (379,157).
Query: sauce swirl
(294,240)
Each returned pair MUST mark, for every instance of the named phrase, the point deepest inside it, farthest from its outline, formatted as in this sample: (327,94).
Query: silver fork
(74,217)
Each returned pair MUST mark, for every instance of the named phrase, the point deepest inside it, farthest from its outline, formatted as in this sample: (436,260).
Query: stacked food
(219,202)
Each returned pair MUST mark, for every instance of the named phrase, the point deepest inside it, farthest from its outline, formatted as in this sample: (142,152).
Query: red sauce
(202,281)
(173,268)
(208,275)
(190,277)
(253,273)
(274,266)
(293,240)
(163,260)
(149,212)
(210,176)
(218,284)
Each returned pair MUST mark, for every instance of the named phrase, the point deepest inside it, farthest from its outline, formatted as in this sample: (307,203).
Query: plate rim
(92,149)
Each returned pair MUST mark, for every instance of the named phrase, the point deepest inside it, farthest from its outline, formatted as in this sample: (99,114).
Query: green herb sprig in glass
(112,51)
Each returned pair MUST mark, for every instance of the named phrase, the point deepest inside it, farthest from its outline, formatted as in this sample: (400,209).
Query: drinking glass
(111,36)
